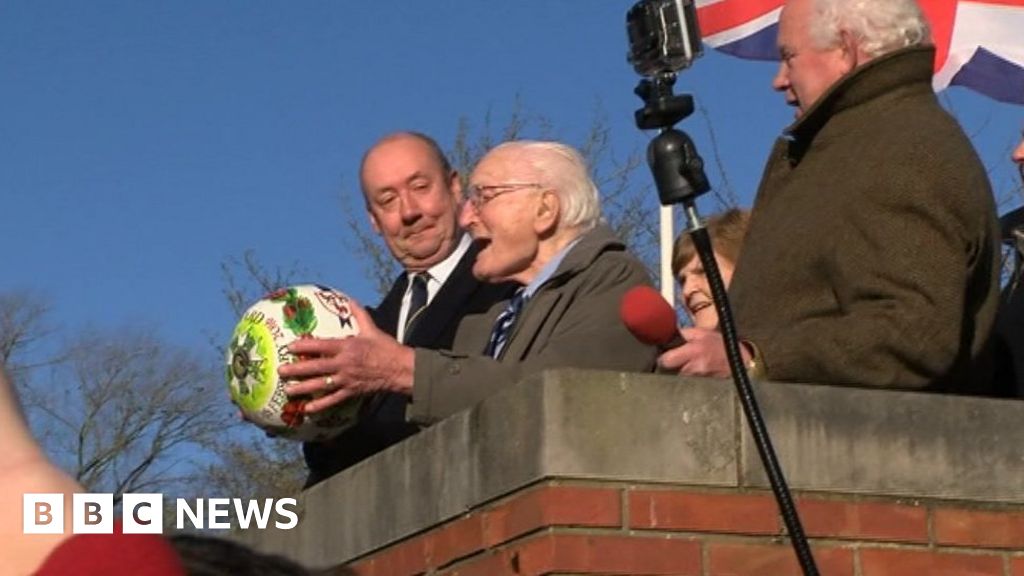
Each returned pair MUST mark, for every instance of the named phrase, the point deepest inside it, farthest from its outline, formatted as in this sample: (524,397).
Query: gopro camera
(664,36)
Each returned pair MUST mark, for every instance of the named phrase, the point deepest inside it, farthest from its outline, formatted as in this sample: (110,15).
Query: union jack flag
(979,43)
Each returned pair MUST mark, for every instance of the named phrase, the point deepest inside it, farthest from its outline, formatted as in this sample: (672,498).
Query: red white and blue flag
(979,43)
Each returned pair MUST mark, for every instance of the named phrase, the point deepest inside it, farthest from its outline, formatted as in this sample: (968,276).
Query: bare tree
(122,411)
(252,465)
(128,413)
(23,325)
(246,279)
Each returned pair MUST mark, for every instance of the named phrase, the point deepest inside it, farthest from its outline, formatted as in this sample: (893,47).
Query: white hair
(881,26)
(565,170)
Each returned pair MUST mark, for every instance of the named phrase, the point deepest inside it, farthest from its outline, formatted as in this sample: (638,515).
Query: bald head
(427,144)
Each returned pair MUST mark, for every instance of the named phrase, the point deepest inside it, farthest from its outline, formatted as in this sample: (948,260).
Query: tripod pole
(701,240)
(678,173)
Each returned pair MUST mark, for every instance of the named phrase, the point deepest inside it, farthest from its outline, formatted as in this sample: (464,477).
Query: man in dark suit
(412,198)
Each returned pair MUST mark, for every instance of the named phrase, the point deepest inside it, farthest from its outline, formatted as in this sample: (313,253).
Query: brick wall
(623,528)
(584,472)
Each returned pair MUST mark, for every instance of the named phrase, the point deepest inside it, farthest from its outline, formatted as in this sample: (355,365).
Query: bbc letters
(144,513)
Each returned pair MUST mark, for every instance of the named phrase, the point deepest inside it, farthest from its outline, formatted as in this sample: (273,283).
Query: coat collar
(882,75)
(589,247)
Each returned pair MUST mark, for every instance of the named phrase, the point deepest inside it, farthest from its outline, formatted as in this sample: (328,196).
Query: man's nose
(409,208)
(1018,153)
(781,80)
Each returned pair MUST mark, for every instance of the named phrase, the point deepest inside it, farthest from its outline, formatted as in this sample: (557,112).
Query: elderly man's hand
(702,354)
(336,369)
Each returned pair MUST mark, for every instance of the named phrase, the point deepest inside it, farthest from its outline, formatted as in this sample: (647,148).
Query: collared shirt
(527,292)
(439,274)
(548,270)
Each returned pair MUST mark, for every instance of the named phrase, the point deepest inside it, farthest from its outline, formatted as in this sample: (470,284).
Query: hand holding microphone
(689,351)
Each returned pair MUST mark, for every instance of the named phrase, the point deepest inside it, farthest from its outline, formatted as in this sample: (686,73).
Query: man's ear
(373,220)
(455,185)
(852,55)
(548,213)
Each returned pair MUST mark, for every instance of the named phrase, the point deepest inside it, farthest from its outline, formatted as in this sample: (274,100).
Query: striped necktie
(417,302)
(504,322)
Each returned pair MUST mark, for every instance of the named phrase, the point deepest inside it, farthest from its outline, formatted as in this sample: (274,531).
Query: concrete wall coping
(637,428)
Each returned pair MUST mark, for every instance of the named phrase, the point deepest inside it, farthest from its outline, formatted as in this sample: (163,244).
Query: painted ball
(259,345)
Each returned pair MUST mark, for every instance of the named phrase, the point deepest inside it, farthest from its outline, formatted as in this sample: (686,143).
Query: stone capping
(643,428)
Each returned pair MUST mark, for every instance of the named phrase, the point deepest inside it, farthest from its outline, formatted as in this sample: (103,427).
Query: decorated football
(259,345)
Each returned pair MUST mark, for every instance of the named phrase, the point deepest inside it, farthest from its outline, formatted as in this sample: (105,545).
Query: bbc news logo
(144,513)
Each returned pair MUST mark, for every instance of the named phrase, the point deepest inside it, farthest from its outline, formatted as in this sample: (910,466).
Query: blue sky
(142,143)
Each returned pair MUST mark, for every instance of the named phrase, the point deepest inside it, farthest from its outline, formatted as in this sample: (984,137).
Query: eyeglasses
(480,195)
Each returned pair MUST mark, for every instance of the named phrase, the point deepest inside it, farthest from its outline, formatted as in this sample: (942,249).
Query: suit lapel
(385,315)
(447,303)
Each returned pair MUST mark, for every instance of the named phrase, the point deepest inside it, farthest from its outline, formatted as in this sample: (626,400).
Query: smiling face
(806,70)
(695,291)
(412,202)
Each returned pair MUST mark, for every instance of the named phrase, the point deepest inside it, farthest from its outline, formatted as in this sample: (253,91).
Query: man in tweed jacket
(872,257)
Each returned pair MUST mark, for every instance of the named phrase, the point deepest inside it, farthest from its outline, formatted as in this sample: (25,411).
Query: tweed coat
(572,320)
(873,251)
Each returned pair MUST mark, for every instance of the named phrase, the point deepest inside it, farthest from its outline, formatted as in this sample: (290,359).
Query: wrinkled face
(411,202)
(1018,157)
(503,220)
(806,71)
(695,291)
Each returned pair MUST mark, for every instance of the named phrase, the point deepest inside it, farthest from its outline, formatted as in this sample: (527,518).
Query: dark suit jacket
(1009,344)
(382,420)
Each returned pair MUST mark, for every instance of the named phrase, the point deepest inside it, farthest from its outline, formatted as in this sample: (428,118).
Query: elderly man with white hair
(535,215)
(872,256)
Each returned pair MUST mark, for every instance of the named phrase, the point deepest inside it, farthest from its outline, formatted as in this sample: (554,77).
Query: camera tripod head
(662,108)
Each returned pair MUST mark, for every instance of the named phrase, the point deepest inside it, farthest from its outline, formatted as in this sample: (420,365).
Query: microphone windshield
(648,316)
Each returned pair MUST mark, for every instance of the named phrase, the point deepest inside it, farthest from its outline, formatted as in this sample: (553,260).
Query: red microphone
(650,318)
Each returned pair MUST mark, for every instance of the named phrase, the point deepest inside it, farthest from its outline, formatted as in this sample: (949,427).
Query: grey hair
(563,168)
(881,26)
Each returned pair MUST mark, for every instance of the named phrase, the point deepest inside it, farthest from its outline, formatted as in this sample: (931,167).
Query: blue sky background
(142,143)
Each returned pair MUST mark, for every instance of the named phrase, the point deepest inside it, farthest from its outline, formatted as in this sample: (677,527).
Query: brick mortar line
(782,540)
(552,531)
(498,503)
(782,535)
(935,549)
(625,512)
(932,503)
(704,541)
(625,488)
(542,531)
(705,558)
